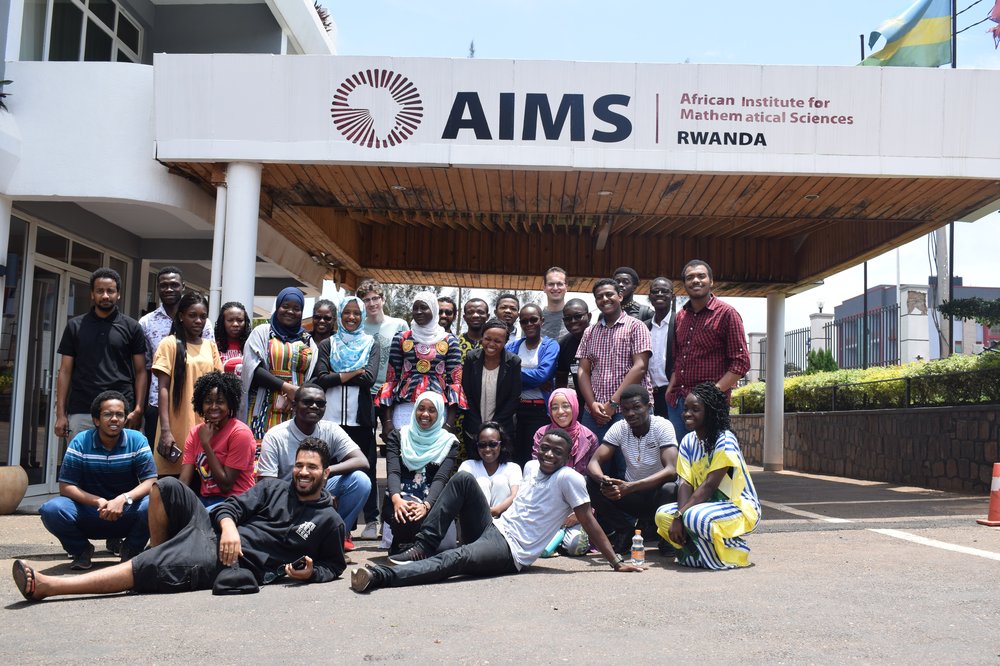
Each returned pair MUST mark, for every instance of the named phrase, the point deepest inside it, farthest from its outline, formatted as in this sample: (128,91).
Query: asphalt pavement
(843,571)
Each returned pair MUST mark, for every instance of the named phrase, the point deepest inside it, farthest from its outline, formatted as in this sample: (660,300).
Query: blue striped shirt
(92,468)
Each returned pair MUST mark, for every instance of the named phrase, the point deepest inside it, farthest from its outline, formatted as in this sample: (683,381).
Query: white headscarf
(430,333)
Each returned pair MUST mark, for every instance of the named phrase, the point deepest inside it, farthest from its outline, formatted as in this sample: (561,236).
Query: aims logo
(377,108)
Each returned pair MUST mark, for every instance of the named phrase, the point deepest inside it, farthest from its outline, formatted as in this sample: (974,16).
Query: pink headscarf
(584,440)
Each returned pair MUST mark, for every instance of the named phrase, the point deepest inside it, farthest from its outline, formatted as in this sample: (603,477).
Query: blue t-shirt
(93,469)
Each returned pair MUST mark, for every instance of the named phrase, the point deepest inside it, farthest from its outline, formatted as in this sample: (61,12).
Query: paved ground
(844,571)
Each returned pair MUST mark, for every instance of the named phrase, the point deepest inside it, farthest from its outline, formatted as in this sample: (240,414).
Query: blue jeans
(351,491)
(75,524)
(676,417)
(588,420)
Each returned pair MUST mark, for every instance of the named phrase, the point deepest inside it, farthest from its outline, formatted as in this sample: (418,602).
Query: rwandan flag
(919,37)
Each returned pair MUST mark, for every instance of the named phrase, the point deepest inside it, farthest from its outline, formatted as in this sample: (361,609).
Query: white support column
(5,212)
(239,259)
(218,242)
(774,392)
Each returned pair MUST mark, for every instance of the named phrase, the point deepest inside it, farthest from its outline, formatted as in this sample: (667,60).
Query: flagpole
(951,225)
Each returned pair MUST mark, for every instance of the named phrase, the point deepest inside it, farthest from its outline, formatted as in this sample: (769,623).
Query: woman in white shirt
(497,476)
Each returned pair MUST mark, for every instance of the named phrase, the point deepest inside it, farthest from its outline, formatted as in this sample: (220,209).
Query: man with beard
(275,529)
(475,313)
(102,350)
(157,325)
(446,312)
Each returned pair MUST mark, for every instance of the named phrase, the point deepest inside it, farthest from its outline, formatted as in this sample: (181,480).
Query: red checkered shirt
(609,350)
(707,345)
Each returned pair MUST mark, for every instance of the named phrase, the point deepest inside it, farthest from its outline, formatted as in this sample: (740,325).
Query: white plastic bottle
(638,549)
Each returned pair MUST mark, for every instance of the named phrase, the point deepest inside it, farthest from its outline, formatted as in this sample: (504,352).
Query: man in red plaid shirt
(709,343)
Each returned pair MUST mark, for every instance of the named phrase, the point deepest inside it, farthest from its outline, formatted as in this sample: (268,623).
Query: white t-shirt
(280,443)
(496,488)
(543,501)
(529,361)
(642,454)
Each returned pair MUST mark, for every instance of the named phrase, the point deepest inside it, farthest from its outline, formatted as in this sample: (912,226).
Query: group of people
(534,423)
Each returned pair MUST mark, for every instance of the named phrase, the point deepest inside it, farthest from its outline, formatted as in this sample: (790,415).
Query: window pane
(122,267)
(124,57)
(128,32)
(33,30)
(104,10)
(51,245)
(8,331)
(67,22)
(86,257)
(98,47)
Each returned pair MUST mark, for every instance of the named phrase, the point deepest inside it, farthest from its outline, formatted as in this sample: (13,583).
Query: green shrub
(955,380)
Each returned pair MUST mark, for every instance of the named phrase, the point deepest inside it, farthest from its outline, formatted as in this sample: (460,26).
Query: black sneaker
(363,579)
(413,554)
(621,542)
(82,561)
(113,546)
(126,553)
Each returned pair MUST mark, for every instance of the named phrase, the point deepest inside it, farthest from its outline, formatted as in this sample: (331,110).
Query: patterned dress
(415,368)
(289,362)
(714,528)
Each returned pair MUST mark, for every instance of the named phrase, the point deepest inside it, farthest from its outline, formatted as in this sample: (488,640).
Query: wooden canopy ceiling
(501,228)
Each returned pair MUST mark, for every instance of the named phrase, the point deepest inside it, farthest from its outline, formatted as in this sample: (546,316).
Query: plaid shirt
(707,345)
(609,350)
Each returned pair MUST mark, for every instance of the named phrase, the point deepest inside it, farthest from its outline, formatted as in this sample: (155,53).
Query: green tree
(524,297)
(820,360)
(399,298)
(978,309)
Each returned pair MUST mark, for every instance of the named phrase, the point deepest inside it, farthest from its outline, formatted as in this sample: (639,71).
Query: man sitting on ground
(265,531)
(649,447)
(505,545)
(104,481)
(347,480)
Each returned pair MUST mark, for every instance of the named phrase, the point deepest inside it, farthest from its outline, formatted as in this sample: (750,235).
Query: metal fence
(847,338)
(797,346)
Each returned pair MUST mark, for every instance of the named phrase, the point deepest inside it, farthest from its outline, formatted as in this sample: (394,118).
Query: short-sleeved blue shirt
(108,474)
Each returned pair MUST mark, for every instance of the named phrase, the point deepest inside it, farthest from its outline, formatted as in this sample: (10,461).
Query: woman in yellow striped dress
(278,358)
(716,501)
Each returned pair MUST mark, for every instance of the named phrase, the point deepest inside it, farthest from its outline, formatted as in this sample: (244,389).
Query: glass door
(56,297)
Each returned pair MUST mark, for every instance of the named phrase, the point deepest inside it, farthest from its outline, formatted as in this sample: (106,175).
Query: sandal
(25,582)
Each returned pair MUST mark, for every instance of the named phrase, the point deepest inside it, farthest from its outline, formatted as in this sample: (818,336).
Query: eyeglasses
(555,285)
(659,292)
(112,415)
(492,444)
(530,321)
(580,316)
(319,318)
(312,402)
(371,299)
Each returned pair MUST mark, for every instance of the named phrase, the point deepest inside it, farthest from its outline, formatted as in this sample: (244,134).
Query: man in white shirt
(649,447)
(506,545)
(347,481)
(661,333)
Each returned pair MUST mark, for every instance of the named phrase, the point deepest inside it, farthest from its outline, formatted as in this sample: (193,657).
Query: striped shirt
(94,469)
(642,454)
(609,350)
(707,345)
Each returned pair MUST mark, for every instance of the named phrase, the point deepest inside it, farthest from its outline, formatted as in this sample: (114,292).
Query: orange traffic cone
(993,517)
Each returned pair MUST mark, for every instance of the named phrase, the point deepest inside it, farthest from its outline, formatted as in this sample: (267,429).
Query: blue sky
(775,32)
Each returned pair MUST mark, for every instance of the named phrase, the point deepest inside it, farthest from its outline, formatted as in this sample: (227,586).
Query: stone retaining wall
(946,448)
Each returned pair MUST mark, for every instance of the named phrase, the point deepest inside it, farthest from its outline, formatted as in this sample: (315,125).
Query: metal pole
(864,322)
(774,389)
(954,34)
(951,288)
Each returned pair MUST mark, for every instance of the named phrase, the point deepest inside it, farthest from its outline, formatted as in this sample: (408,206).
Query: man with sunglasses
(576,318)
(348,480)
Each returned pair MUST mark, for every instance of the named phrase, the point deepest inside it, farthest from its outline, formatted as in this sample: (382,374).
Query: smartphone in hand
(299,564)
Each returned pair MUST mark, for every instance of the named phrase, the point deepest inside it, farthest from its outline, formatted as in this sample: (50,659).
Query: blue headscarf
(420,448)
(284,333)
(349,351)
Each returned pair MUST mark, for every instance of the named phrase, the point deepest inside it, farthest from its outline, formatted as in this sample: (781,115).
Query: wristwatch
(128,500)
(614,404)
(615,562)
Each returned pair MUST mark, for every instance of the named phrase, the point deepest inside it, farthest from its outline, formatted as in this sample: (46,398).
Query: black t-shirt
(102,351)
(567,361)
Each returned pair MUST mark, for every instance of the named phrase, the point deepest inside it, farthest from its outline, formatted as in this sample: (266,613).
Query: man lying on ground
(506,545)
(275,529)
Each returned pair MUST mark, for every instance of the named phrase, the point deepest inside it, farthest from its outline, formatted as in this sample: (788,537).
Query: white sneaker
(370,533)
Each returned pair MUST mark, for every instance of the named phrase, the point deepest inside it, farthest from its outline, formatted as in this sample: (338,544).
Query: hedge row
(951,381)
